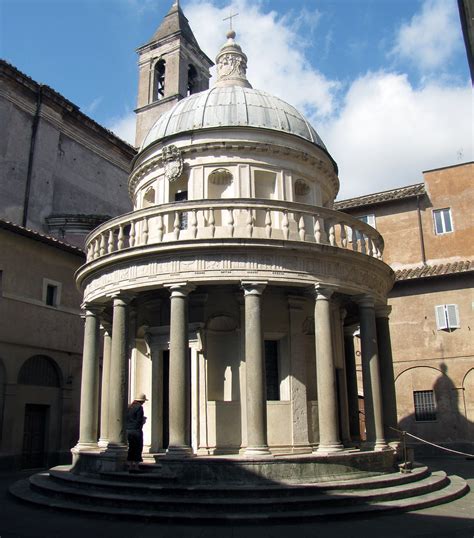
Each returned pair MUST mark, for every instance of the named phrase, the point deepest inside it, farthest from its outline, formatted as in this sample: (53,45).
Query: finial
(229,18)
(231,62)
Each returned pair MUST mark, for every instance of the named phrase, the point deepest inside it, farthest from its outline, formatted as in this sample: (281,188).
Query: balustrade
(238,218)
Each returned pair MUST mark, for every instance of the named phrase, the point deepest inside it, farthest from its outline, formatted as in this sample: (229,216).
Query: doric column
(118,396)
(351,379)
(340,315)
(326,376)
(255,371)
(89,410)
(105,391)
(389,399)
(298,398)
(179,382)
(371,375)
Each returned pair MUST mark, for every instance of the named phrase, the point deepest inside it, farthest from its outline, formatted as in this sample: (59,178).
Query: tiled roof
(381,197)
(38,236)
(426,271)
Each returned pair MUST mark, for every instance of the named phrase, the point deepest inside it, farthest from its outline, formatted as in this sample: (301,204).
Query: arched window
(192,79)
(159,86)
(149,198)
(39,370)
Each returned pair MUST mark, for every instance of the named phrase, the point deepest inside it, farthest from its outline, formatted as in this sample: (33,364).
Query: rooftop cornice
(392,195)
(437,270)
(43,238)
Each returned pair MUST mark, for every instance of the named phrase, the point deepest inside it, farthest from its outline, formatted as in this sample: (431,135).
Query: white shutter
(453,316)
(440,317)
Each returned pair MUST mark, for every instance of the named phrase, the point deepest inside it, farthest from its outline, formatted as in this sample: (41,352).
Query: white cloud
(93,105)
(124,127)
(275,48)
(431,37)
(387,132)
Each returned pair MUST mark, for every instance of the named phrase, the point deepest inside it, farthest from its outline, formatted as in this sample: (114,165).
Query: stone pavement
(453,520)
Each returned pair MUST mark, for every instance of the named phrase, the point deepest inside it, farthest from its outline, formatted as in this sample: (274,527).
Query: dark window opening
(192,80)
(425,405)
(182,196)
(271,370)
(160,69)
(51,295)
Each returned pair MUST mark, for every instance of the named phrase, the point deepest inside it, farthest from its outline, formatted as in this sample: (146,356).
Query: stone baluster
(102,245)
(230,222)
(212,221)
(354,239)
(255,371)
(332,235)
(363,239)
(250,221)
(317,229)
(145,231)
(343,236)
(176,225)
(159,228)
(194,223)
(268,223)
(110,242)
(120,238)
(131,234)
(286,225)
(301,228)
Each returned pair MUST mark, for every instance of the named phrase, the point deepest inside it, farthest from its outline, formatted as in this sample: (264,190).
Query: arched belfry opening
(172,66)
(159,86)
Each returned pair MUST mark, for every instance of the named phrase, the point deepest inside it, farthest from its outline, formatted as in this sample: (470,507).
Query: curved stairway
(154,495)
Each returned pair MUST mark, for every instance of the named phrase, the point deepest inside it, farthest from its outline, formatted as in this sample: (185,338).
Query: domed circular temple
(239,285)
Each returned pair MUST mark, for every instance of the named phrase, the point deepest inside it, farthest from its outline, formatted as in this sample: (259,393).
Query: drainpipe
(420,228)
(29,174)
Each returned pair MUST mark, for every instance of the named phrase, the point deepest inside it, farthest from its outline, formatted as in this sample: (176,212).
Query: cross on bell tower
(171,66)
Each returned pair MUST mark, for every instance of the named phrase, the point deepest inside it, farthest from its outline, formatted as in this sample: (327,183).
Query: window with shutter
(447,316)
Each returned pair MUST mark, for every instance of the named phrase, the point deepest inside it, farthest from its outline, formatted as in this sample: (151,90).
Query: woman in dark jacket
(134,425)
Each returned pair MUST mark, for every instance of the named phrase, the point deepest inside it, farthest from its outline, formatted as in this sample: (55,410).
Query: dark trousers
(135,445)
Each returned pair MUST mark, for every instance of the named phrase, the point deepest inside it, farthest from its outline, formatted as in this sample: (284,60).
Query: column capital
(106,326)
(91,309)
(180,289)
(122,299)
(323,292)
(253,288)
(365,301)
(383,311)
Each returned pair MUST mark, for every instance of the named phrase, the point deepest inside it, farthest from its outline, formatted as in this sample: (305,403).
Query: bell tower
(171,66)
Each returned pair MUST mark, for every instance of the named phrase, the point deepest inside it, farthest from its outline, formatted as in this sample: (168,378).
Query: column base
(103,443)
(376,446)
(326,449)
(257,451)
(179,451)
(85,447)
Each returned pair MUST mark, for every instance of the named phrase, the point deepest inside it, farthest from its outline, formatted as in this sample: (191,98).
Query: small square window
(51,292)
(447,316)
(442,221)
(425,405)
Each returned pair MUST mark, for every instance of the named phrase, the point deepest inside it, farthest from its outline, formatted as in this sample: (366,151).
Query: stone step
(134,484)
(455,488)
(151,479)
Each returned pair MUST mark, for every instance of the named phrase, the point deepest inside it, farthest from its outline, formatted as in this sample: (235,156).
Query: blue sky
(384,82)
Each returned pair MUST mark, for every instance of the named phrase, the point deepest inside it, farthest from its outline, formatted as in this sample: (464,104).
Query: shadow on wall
(435,409)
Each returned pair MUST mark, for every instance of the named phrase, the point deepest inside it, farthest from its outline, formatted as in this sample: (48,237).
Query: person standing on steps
(134,425)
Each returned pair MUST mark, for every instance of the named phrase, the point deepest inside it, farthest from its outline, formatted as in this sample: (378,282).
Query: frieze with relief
(304,270)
